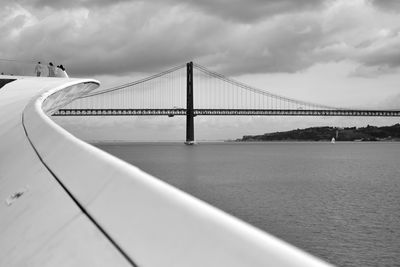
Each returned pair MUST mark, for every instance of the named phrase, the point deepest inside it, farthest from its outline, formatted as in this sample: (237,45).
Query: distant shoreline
(315,141)
(124,142)
(314,134)
(328,133)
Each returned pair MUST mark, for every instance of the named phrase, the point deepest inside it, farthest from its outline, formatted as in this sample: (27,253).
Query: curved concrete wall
(39,224)
(149,222)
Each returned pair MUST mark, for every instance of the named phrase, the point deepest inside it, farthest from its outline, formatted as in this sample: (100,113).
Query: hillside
(369,133)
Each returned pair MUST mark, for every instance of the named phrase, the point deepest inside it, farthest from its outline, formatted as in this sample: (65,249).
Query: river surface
(340,202)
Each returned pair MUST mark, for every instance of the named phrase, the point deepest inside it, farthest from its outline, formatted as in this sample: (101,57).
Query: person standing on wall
(38,69)
(52,70)
(61,72)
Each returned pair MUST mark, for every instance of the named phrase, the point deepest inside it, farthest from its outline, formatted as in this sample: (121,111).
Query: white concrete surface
(43,227)
(152,222)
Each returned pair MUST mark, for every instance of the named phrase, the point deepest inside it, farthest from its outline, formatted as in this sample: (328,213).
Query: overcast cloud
(341,53)
(235,37)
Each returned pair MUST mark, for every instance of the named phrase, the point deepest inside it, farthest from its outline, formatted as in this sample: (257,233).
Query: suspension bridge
(191,90)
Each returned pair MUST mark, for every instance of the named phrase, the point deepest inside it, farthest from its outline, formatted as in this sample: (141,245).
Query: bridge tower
(189,104)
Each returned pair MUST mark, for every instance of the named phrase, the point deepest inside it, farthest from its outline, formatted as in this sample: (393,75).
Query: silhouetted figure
(58,71)
(61,72)
(38,69)
(52,70)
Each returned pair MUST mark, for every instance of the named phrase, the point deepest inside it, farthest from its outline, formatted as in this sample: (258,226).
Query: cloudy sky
(333,52)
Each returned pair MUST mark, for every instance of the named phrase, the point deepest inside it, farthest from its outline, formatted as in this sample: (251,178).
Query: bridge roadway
(227,112)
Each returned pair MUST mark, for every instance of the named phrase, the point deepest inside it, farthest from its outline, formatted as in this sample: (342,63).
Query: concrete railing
(152,223)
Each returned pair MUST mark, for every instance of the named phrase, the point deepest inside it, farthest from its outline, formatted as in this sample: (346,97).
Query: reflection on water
(339,202)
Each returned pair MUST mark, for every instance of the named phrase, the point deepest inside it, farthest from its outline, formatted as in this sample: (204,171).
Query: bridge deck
(226,112)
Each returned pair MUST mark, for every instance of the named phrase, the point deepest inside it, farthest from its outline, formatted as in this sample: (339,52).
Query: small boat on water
(190,143)
(333,140)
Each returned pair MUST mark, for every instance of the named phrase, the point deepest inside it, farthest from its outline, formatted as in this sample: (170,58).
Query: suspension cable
(119,87)
(256,90)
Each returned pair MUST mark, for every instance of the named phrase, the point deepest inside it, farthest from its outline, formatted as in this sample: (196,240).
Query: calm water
(340,202)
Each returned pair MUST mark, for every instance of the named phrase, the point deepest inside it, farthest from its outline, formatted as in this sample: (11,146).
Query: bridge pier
(189,105)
